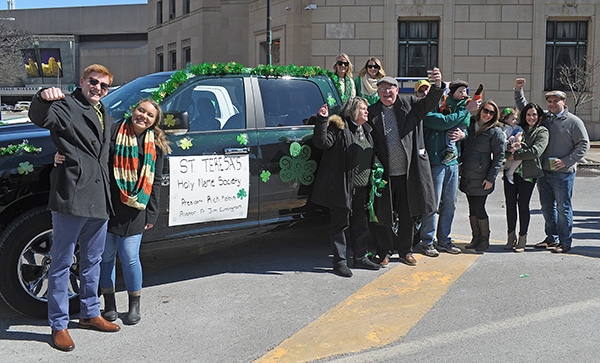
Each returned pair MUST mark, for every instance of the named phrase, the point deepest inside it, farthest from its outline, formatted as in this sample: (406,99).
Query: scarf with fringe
(134,189)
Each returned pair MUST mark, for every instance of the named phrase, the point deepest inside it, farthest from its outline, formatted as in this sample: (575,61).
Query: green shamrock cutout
(170,120)
(330,100)
(265,175)
(242,193)
(185,143)
(298,167)
(242,139)
(25,168)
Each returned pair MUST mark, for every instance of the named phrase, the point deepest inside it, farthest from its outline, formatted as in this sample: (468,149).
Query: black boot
(133,316)
(484,229)
(110,307)
(475,231)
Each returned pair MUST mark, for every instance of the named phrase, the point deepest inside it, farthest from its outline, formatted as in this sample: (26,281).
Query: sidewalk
(592,158)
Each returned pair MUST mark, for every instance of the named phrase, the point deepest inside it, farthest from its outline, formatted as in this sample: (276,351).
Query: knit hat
(420,83)
(454,85)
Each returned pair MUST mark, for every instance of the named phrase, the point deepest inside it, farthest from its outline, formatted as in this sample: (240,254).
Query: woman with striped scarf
(136,160)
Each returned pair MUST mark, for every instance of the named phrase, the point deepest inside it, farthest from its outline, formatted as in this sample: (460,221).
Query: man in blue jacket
(79,196)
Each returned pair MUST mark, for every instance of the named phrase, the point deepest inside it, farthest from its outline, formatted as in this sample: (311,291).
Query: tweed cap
(558,94)
(389,80)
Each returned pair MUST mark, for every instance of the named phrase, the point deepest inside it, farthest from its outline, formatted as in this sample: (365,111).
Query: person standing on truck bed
(79,196)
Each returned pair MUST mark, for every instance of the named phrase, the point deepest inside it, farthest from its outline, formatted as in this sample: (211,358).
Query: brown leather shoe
(409,259)
(99,323)
(62,340)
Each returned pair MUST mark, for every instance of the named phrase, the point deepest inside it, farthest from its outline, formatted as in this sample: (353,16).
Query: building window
(171,9)
(160,62)
(418,44)
(566,45)
(187,57)
(173,60)
(159,12)
(186,6)
(275,52)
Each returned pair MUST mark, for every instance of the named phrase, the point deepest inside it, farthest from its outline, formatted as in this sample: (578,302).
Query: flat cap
(389,80)
(559,94)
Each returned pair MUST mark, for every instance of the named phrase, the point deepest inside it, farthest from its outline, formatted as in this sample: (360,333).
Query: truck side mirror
(175,122)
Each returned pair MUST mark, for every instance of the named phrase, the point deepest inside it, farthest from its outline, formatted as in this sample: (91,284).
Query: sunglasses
(344,64)
(374,66)
(488,112)
(94,82)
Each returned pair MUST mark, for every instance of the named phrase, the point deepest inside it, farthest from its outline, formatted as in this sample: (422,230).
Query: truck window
(212,104)
(287,102)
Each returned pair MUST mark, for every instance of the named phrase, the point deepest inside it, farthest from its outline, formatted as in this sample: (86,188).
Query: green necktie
(99,113)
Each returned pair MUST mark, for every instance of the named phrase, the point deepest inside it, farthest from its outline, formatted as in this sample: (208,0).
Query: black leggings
(477,206)
(518,195)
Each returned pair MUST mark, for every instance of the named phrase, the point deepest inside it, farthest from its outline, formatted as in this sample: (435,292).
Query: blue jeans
(556,192)
(68,230)
(128,249)
(445,184)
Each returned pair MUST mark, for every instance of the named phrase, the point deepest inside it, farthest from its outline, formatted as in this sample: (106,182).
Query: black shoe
(561,249)
(343,271)
(366,264)
(547,243)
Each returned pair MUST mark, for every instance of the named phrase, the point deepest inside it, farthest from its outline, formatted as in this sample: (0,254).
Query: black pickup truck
(241,160)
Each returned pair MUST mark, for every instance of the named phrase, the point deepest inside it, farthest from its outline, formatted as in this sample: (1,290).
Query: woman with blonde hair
(343,77)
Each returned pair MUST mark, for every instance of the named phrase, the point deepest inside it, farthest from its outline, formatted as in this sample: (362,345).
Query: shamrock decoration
(20,148)
(265,175)
(169,120)
(242,139)
(185,143)
(25,168)
(330,100)
(298,167)
(242,193)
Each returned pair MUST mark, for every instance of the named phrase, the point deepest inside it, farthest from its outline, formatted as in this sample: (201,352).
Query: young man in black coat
(79,196)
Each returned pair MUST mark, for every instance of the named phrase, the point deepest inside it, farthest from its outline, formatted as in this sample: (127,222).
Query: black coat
(79,186)
(409,112)
(127,220)
(334,181)
(482,158)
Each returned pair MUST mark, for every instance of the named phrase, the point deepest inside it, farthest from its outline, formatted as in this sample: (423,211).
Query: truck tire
(24,263)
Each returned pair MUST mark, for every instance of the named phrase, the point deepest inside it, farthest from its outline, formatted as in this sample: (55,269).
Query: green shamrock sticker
(265,175)
(242,139)
(185,143)
(298,167)
(25,168)
(170,120)
(330,100)
(242,193)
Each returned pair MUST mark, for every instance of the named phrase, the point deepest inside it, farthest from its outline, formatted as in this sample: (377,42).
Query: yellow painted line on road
(378,314)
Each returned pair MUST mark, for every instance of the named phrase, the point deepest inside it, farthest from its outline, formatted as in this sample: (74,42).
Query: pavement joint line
(378,314)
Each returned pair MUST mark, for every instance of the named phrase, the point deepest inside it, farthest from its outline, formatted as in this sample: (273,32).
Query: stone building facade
(482,41)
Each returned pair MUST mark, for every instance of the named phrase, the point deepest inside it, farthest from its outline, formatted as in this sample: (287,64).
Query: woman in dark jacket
(481,161)
(342,182)
(137,146)
(518,194)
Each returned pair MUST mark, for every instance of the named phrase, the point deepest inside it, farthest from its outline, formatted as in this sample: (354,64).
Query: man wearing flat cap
(399,146)
(568,143)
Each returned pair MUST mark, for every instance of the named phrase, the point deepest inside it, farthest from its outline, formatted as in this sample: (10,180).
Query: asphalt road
(274,299)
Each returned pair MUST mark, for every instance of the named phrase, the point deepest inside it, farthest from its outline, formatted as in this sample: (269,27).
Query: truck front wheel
(24,262)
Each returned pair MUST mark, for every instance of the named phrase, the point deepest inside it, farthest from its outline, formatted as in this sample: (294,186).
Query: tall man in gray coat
(399,146)
(79,196)
(568,143)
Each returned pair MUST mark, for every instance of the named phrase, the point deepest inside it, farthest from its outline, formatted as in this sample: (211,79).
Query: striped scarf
(134,189)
